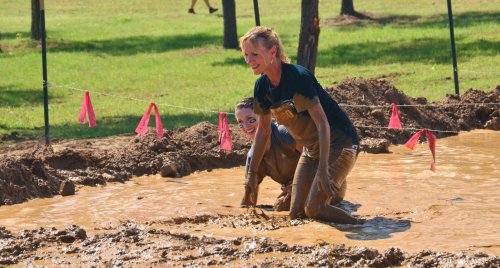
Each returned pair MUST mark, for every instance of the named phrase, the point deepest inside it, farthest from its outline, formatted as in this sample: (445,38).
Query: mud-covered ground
(30,170)
(131,244)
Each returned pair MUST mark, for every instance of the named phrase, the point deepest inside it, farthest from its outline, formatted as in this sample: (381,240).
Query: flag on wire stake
(394,122)
(224,133)
(87,109)
(142,127)
(432,144)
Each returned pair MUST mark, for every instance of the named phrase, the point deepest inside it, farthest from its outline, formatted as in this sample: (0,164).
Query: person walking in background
(210,8)
(280,158)
(291,95)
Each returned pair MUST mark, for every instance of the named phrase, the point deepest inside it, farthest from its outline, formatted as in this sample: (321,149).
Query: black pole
(256,11)
(453,51)
(44,67)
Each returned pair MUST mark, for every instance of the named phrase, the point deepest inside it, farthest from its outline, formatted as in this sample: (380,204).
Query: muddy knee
(312,210)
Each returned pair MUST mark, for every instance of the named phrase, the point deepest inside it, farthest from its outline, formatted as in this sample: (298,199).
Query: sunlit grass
(128,53)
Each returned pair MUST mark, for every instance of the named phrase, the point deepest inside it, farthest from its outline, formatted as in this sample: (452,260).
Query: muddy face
(247,122)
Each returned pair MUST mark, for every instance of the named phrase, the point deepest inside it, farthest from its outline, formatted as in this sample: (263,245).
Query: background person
(210,8)
(292,95)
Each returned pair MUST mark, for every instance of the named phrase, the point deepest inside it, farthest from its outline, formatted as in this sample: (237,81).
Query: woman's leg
(317,204)
(302,180)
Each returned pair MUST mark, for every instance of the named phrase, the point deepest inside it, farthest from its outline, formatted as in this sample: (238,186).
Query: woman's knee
(312,209)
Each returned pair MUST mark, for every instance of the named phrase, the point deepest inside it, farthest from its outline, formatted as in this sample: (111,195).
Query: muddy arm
(262,137)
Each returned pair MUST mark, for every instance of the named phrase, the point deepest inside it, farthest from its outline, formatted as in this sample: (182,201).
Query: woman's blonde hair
(269,38)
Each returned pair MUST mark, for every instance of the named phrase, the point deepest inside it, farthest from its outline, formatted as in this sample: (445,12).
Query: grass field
(128,53)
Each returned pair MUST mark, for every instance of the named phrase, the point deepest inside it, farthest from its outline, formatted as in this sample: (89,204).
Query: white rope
(409,128)
(340,104)
(135,99)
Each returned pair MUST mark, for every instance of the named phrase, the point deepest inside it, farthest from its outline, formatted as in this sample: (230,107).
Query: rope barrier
(408,128)
(135,99)
(340,104)
(418,105)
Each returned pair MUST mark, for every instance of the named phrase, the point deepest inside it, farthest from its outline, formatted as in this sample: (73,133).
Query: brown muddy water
(456,208)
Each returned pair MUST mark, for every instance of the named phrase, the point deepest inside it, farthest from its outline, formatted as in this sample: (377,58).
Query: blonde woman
(291,94)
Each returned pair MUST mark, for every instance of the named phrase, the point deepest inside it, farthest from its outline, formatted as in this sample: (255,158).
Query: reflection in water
(376,228)
(405,205)
(371,229)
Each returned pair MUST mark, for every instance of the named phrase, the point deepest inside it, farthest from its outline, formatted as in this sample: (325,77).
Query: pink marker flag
(432,144)
(224,133)
(87,109)
(394,122)
(142,128)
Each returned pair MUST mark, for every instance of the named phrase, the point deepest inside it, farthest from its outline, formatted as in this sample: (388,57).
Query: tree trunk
(36,32)
(347,8)
(309,35)
(230,34)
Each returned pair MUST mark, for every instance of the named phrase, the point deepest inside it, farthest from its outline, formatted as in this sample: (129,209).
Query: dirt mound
(29,170)
(367,103)
(41,171)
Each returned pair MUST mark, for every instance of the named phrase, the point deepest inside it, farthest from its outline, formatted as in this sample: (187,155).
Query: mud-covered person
(280,156)
(291,95)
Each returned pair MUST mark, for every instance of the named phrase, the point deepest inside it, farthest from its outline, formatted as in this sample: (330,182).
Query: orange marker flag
(432,144)
(87,109)
(224,133)
(394,122)
(142,127)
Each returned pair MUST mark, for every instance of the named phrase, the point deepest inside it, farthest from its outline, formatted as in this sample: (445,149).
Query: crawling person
(280,158)
(291,95)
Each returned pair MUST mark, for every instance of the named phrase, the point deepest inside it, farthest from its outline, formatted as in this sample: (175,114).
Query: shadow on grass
(136,44)
(422,50)
(110,126)
(14,35)
(230,62)
(466,19)
(10,97)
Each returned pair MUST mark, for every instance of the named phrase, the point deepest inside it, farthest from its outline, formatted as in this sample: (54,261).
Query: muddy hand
(322,179)
(251,189)
(249,198)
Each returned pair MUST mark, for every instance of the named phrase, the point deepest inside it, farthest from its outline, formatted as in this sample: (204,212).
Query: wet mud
(154,243)
(31,170)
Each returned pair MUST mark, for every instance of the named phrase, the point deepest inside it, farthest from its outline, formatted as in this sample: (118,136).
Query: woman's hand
(251,190)
(322,179)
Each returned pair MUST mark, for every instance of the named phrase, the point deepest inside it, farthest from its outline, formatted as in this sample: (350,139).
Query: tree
(309,35)
(230,33)
(347,8)
(36,31)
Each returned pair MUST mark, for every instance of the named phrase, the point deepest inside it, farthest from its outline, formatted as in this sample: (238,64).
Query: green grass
(140,51)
